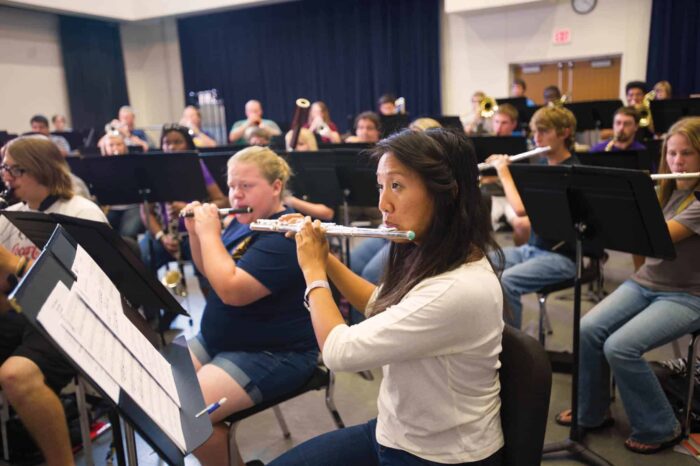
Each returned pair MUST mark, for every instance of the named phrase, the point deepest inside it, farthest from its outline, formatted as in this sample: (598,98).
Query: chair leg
(233,452)
(692,349)
(4,417)
(542,300)
(280,420)
(84,421)
(676,349)
(330,403)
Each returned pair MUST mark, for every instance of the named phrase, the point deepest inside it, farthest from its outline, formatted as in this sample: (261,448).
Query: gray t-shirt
(683,273)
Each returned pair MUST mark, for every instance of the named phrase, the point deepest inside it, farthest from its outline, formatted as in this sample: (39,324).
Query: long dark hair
(183,130)
(460,229)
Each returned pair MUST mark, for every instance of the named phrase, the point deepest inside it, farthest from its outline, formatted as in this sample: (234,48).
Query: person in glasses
(32,372)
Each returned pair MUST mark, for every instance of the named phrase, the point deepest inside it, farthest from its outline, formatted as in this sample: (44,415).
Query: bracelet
(312,286)
(21,267)
(159,235)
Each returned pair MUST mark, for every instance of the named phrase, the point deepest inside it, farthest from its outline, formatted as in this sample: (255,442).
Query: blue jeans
(615,334)
(127,222)
(368,260)
(527,269)
(357,445)
(160,255)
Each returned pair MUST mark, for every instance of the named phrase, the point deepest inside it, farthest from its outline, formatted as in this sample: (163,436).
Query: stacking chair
(592,274)
(321,378)
(691,367)
(526,383)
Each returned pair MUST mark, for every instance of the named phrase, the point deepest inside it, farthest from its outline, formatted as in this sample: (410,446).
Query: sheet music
(51,318)
(95,345)
(99,293)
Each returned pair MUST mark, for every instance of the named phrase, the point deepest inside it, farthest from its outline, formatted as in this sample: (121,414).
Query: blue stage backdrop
(94,68)
(345,53)
(674,45)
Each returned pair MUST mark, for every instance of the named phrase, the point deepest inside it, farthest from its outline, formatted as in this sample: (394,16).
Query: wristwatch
(313,285)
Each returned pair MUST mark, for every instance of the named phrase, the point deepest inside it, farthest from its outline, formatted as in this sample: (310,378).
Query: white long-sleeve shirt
(438,348)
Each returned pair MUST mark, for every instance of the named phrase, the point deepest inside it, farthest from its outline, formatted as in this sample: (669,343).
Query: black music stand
(116,258)
(595,114)
(450,122)
(629,159)
(485,146)
(351,146)
(315,177)
(390,124)
(216,164)
(142,179)
(597,208)
(54,265)
(666,112)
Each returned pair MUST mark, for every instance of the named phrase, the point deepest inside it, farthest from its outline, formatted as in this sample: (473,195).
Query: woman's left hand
(207,220)
(312,249)
(8,261)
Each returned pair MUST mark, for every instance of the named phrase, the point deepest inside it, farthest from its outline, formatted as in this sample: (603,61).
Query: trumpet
(400,105)
(332,229)
(674,176)
(222,212)
(514,158)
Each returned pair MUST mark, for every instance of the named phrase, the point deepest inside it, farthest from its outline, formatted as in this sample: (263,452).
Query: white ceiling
(134,10)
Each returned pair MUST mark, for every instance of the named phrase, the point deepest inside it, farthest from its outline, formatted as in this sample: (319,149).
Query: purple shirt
(600,147)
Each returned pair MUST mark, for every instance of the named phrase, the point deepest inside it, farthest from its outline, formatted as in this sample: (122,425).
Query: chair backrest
(526,383)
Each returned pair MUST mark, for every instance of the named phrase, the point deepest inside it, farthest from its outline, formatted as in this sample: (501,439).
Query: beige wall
(153,72)
(31,68)
(477,47)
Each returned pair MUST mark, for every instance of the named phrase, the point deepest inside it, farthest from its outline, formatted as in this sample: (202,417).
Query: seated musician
(192,119)
(436,313)
(659,303)
(256,340)
(305,143)
(320,122)
(625,127)
(163,227)
(32,372)
(541,261)
(254,118)
(504,122)
(366,128)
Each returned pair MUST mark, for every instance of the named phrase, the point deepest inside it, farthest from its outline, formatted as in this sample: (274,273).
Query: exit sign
(561,36)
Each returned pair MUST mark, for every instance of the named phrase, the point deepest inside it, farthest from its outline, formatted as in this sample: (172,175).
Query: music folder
(69,299)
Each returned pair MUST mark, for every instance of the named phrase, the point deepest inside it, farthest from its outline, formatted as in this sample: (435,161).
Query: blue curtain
(674,45)
(346,53)
(94,69)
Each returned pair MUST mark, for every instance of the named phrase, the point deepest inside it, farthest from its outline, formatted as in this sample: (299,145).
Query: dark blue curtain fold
(674,45)
(94,69)
(345,53)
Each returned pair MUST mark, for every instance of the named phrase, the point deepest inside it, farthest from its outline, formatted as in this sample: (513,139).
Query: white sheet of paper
(51,317)
(100,294)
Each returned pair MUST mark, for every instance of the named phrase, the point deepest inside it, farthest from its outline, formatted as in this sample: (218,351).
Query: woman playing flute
(256,340)
(659,303)
(435,321)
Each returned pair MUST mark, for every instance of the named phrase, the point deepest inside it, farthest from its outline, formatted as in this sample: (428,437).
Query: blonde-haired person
(474,123)
(541,261)
(305,143)
(659,303)
(32,372)
(423,124)
(663,90)
(320,122)
(256,340)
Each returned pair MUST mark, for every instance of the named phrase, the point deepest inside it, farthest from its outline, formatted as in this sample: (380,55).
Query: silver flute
(332,229)
(514,158)
(222,212)
(674,176)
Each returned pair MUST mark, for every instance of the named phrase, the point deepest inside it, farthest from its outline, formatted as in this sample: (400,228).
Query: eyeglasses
(14,170)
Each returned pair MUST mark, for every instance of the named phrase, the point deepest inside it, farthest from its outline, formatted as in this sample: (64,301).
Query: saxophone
(174,279)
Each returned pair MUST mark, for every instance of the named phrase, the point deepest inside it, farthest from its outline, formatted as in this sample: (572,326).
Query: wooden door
(581,80)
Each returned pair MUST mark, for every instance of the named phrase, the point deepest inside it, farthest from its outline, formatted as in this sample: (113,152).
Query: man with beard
(625,126)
